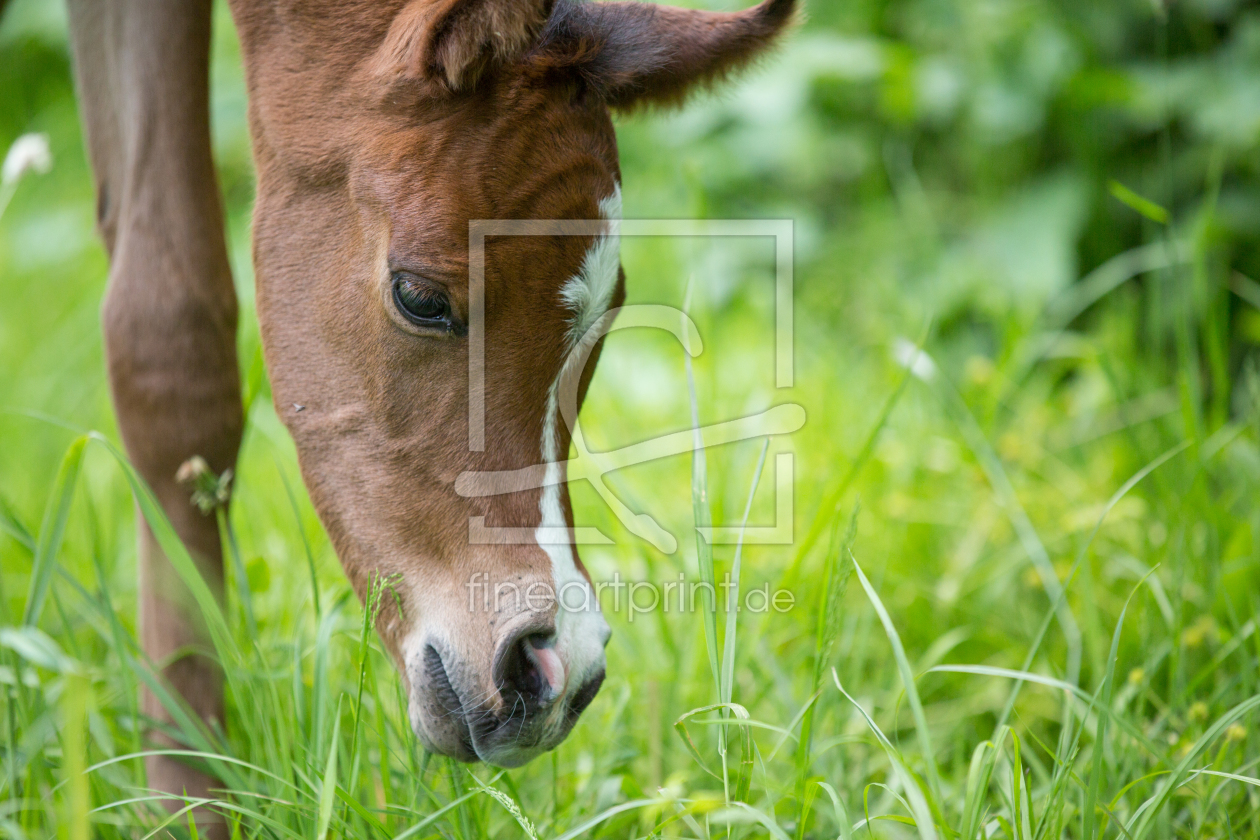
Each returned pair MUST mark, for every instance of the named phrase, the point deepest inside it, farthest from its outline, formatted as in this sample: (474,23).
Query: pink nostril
(542,652)
(527,666)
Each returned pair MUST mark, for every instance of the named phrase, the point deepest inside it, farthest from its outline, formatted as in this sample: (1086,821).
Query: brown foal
(380,129)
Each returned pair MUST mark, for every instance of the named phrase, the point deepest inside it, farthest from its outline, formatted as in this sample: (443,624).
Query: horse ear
(453,42)
(641,53)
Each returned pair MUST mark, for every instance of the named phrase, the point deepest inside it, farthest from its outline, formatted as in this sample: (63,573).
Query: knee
(171,357)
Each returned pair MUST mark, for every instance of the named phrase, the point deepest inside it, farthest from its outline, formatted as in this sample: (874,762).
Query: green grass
(1026,565)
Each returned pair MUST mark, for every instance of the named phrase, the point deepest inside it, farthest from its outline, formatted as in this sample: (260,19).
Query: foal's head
(372,161)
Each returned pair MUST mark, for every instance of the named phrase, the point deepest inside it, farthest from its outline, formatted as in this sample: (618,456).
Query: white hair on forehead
(589,293)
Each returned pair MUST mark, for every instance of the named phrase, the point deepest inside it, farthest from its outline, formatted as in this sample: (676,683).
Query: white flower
(918,362)
(30,151)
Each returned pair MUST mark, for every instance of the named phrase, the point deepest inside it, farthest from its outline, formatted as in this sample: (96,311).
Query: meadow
(1025,530)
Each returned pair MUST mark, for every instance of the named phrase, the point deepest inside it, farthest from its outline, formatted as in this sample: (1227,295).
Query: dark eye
(420,303)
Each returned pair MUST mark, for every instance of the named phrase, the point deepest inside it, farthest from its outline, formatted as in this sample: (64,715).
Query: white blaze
(589,293)
(580,626)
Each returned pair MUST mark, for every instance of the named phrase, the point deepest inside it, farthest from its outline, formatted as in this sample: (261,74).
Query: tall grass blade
(836,494)
(836,573)
(915,799)
(375,587)
(1093,287)
(832,499)
(702,518)
(746,811)
(369,819)
(436,815)
(727,683)
(1137,203)
(509,804)
(52,530)
(190,803)
(207,756)
(604,816)
(1236,777)
(733,591)
(321,678)
(328,788)
(74,705)
(176,554)
(298,687)
(12,525)
(842,813)
(1100,732)
(1027,676)
(278,828)
(907,679)
(38,648)
(306,544)
(1021,819)
(980,771)
(680,726)
(791,727)
(243,593)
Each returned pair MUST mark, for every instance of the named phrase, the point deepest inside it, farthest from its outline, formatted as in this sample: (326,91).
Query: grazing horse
(380,128)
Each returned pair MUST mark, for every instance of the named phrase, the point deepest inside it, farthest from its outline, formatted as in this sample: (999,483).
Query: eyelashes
(417,300)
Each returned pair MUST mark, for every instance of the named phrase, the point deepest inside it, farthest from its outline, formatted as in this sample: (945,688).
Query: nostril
(532,668)
(584,695)
(542,652)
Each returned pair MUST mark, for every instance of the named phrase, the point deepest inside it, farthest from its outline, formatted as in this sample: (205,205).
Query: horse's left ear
(451,43)
(642,53)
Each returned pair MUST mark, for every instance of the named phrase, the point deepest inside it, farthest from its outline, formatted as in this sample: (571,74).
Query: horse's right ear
(632,53)
(451,43)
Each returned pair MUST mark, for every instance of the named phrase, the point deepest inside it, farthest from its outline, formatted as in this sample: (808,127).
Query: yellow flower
(1198,710)
(1236,732)
(1011,447)
(1203,628)
(978,370)
(1137,675)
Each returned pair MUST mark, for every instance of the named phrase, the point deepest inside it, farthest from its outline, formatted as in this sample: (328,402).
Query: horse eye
(419,303)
